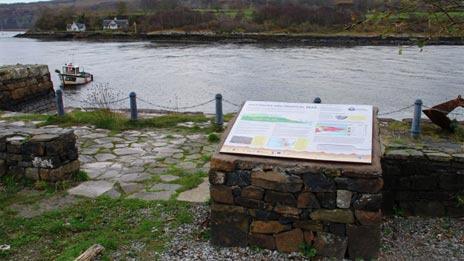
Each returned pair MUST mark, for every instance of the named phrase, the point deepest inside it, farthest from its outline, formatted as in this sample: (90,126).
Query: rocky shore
(249,38)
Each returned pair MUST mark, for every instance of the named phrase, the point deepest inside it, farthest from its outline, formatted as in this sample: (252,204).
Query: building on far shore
(115,24)
(75,27)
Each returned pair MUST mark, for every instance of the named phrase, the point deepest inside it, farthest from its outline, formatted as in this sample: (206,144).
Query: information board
(329,132)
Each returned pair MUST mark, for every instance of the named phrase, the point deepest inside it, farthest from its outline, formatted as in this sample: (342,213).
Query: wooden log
(90,253)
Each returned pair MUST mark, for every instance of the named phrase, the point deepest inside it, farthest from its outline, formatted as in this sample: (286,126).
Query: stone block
(261,240)
(287,211)
(319,182)
(309,225)
(344,198)
(333,215)
(264,214)
(360,185)
(327,199)
(330,245)
(429,209)
(275,197)
(35,149)
(217,178)
(307,200)
(369,202)
(238,178)
(251,203)
(368,217)
(308,237)
(337,229)
(278,181)
(289,241)
(229,226)
(32,173)
(222,194)
(452,182)
(268,227)
(423,182)
(252,192)
(363,242)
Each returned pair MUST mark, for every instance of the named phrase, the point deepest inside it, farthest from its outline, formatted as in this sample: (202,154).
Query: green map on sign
(268,118)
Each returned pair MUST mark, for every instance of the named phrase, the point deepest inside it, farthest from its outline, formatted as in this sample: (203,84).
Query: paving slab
(92,189)
(168,178)
(130,187)
(165,186)
(134,177)
(160,195)
(199,194)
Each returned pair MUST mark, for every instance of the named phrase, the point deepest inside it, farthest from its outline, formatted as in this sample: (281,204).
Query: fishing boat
(72,75)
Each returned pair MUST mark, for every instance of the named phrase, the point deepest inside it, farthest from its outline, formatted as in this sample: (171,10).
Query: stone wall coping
(35,134)
(22,71)
(229,162)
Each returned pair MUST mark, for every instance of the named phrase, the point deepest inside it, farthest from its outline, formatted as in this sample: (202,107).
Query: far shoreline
(249,38)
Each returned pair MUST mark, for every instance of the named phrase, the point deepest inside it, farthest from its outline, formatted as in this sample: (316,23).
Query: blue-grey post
(59,102)
(317,100)
(133,106)
(415,127)
(219,115)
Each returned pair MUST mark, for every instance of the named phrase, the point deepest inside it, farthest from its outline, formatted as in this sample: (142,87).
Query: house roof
(119,22)
(79,25)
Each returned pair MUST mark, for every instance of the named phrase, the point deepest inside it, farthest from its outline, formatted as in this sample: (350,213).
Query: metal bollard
(133,106)
(317,100)
(219,115)
(416,120)
(59,102)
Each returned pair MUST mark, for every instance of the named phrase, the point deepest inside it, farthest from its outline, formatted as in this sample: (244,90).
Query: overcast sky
(18,1)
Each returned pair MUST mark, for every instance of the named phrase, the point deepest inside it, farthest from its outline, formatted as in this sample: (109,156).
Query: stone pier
(287,204)
(26,88)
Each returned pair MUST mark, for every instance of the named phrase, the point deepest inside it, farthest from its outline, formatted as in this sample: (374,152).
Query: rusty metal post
(416,120)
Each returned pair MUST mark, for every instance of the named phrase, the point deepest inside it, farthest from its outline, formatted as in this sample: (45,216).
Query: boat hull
(70,80)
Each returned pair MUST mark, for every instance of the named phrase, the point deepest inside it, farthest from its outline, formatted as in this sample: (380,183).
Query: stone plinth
(48,154)
(284,204)
(26,88)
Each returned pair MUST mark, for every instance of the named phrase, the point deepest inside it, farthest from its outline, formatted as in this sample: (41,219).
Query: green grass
(106,119)
(115,224)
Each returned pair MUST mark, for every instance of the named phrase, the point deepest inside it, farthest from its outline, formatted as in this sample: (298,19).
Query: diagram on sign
(300,130)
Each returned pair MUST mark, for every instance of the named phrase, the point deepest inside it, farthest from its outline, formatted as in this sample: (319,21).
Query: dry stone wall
(424,182)
(288,204)
(48,154)
(26,88)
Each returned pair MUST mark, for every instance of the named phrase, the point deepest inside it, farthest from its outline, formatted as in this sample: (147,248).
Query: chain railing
(219,100)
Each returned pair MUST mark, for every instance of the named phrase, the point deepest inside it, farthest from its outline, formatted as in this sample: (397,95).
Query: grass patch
(213,137)
(114,121)
(115,224)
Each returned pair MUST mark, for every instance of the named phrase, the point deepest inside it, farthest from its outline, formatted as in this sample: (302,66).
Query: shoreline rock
(251,38)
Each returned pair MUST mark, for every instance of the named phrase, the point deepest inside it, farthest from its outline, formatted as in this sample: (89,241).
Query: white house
(75,27)
(116,24)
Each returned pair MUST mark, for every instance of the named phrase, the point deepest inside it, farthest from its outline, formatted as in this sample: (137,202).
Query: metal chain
(175,108)
(395,111)
(231,103)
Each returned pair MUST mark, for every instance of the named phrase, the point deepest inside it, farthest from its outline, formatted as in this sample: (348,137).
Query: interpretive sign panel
(331,132)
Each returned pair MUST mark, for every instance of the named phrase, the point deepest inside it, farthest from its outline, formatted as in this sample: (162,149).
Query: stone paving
(143,164)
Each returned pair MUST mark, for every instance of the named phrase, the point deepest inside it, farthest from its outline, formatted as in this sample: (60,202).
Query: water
(182,75)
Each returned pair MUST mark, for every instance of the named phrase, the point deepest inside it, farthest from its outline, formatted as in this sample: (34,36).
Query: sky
(18,1)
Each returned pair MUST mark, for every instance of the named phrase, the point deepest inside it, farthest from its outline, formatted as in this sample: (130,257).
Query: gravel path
(412,238)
